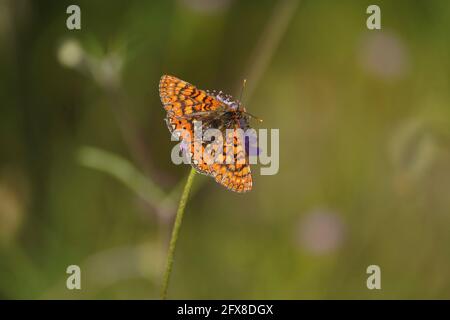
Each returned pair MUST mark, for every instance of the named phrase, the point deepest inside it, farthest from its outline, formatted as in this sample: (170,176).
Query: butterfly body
(187,106)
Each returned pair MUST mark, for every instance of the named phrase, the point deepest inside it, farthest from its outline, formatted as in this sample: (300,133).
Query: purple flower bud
(251,145)
(184,147)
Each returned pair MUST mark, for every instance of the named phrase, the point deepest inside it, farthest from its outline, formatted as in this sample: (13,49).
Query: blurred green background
(364,118)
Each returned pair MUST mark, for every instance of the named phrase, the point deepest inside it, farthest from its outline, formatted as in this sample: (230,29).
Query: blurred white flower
(320,231)
(384,55)
(107,71)
(70,53)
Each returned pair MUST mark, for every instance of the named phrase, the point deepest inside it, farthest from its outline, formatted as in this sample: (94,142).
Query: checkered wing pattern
(185,104)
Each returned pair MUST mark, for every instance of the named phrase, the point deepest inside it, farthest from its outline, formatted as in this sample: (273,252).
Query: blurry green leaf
(106,268)
(122,170)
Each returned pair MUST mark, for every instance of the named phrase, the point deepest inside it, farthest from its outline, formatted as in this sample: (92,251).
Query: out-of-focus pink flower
(384,55)
(320,231)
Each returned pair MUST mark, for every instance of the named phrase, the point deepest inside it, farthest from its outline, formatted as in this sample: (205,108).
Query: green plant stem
(175,232)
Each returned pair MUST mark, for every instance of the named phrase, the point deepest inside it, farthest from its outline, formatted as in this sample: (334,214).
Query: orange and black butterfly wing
(181,98)
(235,176)
(184,130)
(183,101)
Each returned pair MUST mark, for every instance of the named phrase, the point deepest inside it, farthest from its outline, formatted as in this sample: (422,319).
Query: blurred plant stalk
(269,42)
(176,232)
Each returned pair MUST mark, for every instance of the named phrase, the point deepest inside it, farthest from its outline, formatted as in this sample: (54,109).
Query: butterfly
(186,107)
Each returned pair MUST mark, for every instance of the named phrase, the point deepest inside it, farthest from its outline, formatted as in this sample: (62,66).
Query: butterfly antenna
(240,98)
(252,116)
